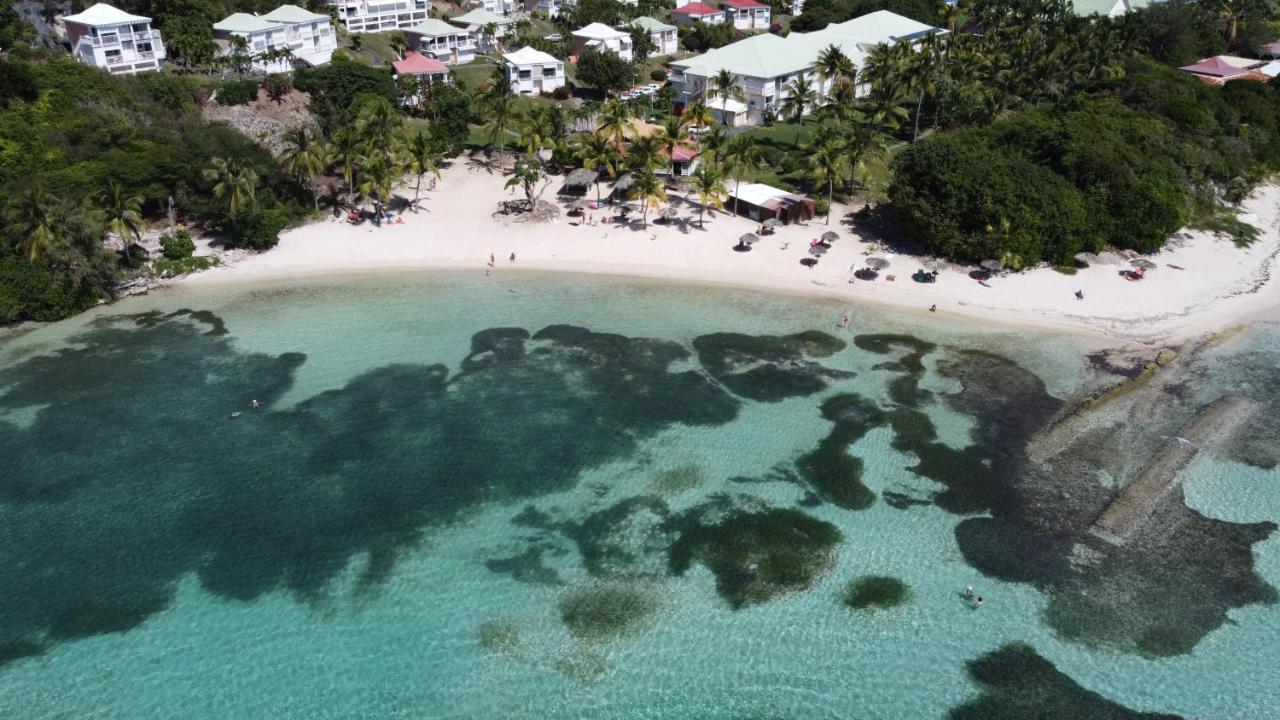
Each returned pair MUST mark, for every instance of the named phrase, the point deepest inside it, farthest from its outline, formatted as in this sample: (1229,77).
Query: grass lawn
(375,49)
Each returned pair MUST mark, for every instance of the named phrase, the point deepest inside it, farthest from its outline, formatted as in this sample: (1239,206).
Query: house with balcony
(499,7)
(424,70)
(309,36)
(280,40)
(112,39)
(747,15)
(378,15)
(533,71)
(764,65)
(549,8)
(438,40)
(602,38)
(477,20)
(663,35)
(697,12)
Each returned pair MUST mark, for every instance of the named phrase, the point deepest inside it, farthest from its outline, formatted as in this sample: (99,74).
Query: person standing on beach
(513,257)
(492,260)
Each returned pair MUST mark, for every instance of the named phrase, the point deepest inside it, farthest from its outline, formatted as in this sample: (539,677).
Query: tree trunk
(416,189)
(737,183)
(915,134)
(830,195)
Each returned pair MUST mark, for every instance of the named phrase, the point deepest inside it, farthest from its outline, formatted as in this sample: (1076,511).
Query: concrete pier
(1135,503)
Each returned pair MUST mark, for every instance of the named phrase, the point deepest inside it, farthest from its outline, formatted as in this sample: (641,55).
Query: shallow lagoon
(243,578)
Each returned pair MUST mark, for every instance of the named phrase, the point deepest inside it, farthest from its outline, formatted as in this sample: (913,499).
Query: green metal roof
(650,24)
(293,14)
(432,27)
(480,16)
(243,23)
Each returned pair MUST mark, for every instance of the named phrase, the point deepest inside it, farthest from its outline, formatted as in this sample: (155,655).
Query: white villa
(764,64)
(663,35)
(697,12)
(306,35)
(602,38)
(1106,8)
(441,41)
(533,71)
(376,15)
(110,38)
(747,14)
(549,8)
(477,20)
(498,7)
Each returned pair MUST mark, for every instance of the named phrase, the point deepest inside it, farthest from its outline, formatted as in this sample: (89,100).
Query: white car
(646,90)
(627,96)
(653,87)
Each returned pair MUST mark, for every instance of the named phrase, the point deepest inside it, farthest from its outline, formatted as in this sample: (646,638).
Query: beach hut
(762,202)
(578,183)
(622,189)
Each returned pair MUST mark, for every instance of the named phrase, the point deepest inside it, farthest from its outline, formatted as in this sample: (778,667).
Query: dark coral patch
(128,466)
(757,556)
(875,591)
(1017,683)
(770,367)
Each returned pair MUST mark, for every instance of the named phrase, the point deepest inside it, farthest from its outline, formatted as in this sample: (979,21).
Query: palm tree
(742,155)
(614,120)
(600,154)
(713,140)
(826,163)
(697,114)
(489,34)
(708,182)
(30,223)
(304,157)
(835,67)
(1229,14)
(122,214)
(346,151)
(674,134)
(234,183)
(644,154)
(800,97)
(378,123)
(421,156)
(725,86)
(498,100)
(377,175)
(647,188)
(525,175)
(398,42)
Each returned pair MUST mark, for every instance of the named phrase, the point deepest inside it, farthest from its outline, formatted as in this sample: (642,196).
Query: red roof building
(697,12)
(744,4)
(416,64)
(1221,68)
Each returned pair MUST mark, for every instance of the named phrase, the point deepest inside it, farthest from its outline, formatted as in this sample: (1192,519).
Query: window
(526,74)
(548,72)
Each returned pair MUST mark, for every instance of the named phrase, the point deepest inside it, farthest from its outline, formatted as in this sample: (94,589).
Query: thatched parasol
(817,250)
(1143,264)
(830,236)
(1086,258)
(877,263)
(992,265)
(771,223)
(934,265)
(668,213)
(748,239)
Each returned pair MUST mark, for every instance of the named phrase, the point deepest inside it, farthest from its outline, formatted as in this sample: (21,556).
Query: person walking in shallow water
(513,257)
(845,322)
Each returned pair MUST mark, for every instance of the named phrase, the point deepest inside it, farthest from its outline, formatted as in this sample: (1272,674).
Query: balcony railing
(116,39)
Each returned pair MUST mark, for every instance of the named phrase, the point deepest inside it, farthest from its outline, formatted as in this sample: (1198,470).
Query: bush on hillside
(177,248)
(257,229)
(237,92)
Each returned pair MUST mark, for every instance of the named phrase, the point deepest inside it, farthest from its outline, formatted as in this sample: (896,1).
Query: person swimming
(235,414)
(968,592)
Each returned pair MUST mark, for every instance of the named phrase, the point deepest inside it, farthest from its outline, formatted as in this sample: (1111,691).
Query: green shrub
(166,268)
(821,206)
(658,75)
(32,291)
(256,229)
(237,92)
(177,248)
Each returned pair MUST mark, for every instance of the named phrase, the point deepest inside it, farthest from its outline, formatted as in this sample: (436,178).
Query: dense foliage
(605,71)
(71,139)
(1126,168)
(334,88)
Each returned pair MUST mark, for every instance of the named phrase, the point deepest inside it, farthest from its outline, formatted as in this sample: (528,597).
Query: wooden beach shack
(762,202)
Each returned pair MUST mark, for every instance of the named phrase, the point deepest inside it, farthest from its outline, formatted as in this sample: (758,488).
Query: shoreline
(1221,286)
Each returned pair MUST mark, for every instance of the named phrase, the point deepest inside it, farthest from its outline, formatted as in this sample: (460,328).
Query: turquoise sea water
(415,522)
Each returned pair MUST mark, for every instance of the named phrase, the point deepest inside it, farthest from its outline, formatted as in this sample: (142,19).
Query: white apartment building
(663,35)
(377,15)
(602,38)
(765,64)
(477,20)
(549,8)
(533,71)
(747,14)
(307,36)
(441,41)
(110,38)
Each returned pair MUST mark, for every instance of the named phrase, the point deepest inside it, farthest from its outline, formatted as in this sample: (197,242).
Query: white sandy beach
(1220,285)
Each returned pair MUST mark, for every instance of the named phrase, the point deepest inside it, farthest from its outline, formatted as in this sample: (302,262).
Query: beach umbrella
(1143,264)
(1087,258)
(669,213)
(748,239)
(934,265)
(771,223)
(992,265)
(877,264)
(830,236)
(817,250)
